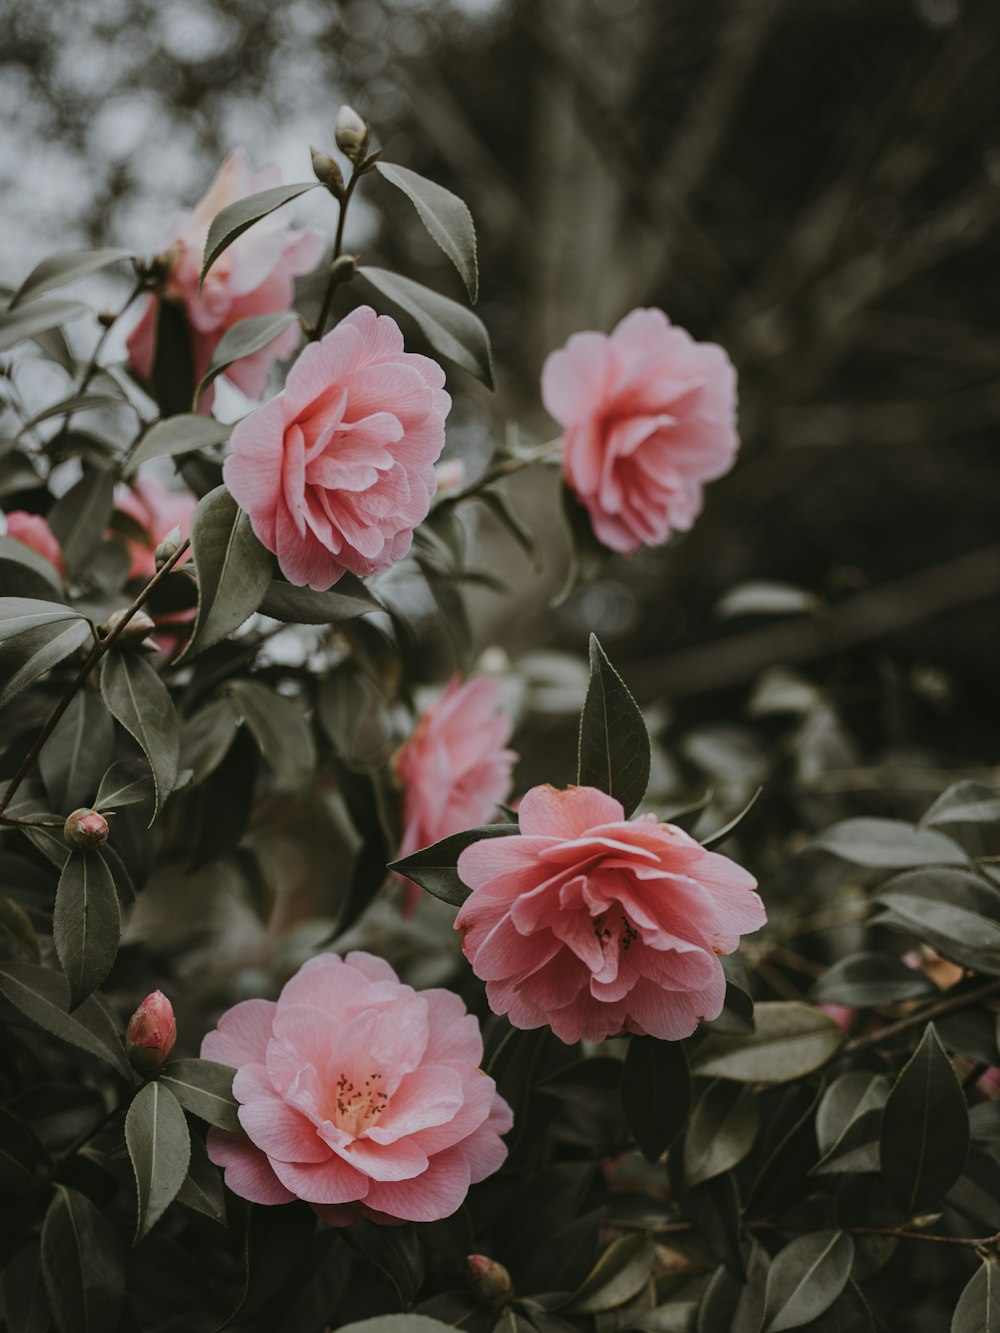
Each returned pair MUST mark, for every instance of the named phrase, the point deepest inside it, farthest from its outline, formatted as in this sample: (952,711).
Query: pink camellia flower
(157,511)
(151,1034)
(253,277)
(454,769)
(597,925)
(648,416)
(359,1095)
(338,469)
(33,531)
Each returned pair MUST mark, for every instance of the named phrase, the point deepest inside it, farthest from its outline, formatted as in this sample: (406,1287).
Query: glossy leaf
(182,434)
(790,1041)
(37,317)
(622,1270)
(947,921)
(140,701)
(279,727)
(24,573)
(722,1130)
(86,923)
(121,785)
(614,753)
(870,979)
(925,1128)
(202,1187)
(242,339)
(33,654)
(66,267)
(445,216)
(450,328)
(159,1145)
(434,868)
(42,995)
(80,517)
(347,599)
(233,220)
(889,844)
(234,570)
(82,1262)
(978,1308)
(78,751)
(806,1278)
(655,1093)
(204,1088)
(18,615)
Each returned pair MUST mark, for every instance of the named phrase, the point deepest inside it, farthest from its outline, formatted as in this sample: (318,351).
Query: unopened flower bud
(489,1280)
(449,475)
(169,547)
(106,318)
(85,829)
(164,264)
(139,626)
(352,134)
(327,172)
(152,1031)
(344,268)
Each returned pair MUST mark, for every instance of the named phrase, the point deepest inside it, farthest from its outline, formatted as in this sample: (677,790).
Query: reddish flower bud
(489,1280)
(85,828)
(152,1031)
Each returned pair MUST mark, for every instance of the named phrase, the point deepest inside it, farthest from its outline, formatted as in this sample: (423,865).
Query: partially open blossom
(648,416)
(33,531)
(338,469)
(455,768)
(151,1033)
(157,511)
(597,925)
(357,1094)
(254,276)
(85,828)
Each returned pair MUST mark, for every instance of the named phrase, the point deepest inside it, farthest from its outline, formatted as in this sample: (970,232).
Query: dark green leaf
(622,1270)
(925,1128)
(722,1130)
(806,1278)
(978,1308)
(31,655)
(206,739)
(17,924)
(943,920)
(139,700)
(202,1188)
(121,786)
(159,1145)
(655,1093)
(37,317)
(446,218)
(870,979)
(82,1262)
(917,898)
(721,834)
(182,434)
(614,751)
(20,614)
(243,339)
(434,868)
(234,570)
(718,1305)
(229,224)
(79,518)
(77,402)
(279,727)
(450,329)
(42,995)
(965,803)
(25,573)
(204,1088)
(889,844)
(66,267)
(749,1313)
(86,924)
(304,606)
(790,1041)
(845,1102)
(396,1252)
(78,751)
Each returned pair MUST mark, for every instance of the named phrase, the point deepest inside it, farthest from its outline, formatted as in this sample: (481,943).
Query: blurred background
(814,185)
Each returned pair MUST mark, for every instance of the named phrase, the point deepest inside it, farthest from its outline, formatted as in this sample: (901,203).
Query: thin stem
(92,366)
(338,244)
(948,1006)
(500,470)
(899,1233)
(96,653)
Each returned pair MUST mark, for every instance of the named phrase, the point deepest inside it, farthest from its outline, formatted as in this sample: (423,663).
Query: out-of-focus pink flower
(151,1034)
(597,925)
(157,512)
(450,475)
(357,1094)
(338,469)
(844,1015)
(33,531)
(454,769)
(648,416)
(253,277)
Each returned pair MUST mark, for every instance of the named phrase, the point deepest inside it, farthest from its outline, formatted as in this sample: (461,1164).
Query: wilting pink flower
(454,769)
(157,512)
(151,1034)
(33,531)
(598,925)
(357,1094)
(253,277)
(338,469)
(648,416)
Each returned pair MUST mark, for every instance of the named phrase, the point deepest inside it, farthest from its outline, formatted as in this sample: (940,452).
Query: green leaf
(183,434)
(86,924)
(78,751)
(159,1145)
(42,995)
(790,1040)
(655,1093)
(978,1308)
(24,573)
(202,1188)
(869,980)
(622,1270)
(37,317)
(206,739)
(450,329)
(845,1102)
(33,654)
(965,803)
(945,921)
(229,224)
(121,786)
(140,701)
(79,518)
(204,1088)
(304,606)
(434,868)
(925,1128)
(78,402)
(614,753)
(889,844)
(962,933)
(722,1131)
(498,502)
(243,339)
(446,218)
(279,727)
(66,267)
(20,614)
(721,834)
(806,1278)
(234,570)
(82,1262)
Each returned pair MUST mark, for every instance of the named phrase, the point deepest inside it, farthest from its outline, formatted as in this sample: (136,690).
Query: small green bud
(327,172)
(352,134)
(139,626)
(168,548)
(344,268)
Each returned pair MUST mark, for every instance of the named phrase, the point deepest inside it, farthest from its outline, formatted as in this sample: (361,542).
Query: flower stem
(948,1006)
(335,278)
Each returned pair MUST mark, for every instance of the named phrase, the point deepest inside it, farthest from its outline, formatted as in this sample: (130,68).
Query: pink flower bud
(489,1280)
(449,475)
(152,1031)
(85,829)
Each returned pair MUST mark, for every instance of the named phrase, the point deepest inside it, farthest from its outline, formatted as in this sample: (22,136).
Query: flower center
(358,1104)
(620,928)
